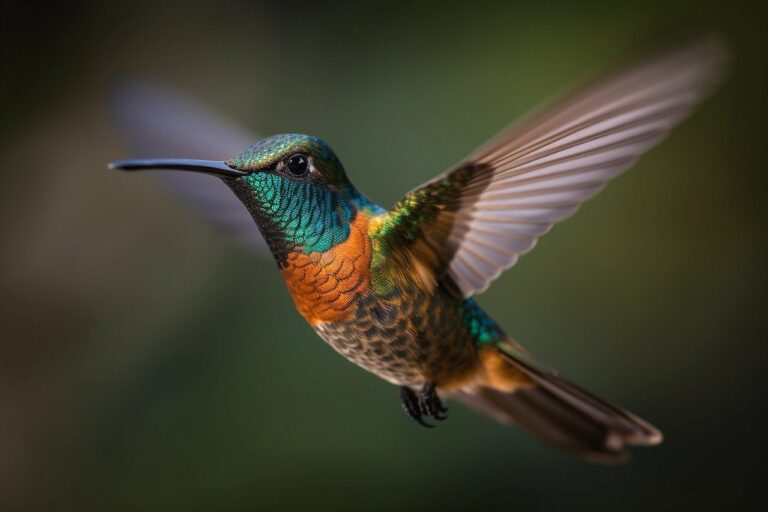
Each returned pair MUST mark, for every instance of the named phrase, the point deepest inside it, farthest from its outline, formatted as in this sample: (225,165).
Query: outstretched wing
(159,122)
(474,221)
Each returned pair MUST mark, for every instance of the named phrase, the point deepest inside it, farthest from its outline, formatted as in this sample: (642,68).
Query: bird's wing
(475,220)
(157,121)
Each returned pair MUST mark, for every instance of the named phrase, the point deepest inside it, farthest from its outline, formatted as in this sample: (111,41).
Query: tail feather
(562,414)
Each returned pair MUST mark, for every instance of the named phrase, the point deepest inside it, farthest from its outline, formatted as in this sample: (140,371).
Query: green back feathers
(412,240)
(481,327)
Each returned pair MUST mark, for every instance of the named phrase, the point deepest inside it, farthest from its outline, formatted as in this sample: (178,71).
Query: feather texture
(557,411)
(492,207)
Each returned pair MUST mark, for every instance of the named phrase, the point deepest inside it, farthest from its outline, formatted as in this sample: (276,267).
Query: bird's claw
(426,404)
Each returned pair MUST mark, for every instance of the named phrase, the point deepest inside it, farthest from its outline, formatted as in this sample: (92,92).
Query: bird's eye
(297,165)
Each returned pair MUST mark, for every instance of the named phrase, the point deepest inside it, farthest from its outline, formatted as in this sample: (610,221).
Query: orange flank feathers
(498,374)
(491,371)
(324,284)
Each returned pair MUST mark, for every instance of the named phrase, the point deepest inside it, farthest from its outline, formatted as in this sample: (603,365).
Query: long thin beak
(213,167)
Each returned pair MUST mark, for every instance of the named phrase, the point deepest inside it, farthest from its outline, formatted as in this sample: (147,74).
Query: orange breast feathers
(324,284)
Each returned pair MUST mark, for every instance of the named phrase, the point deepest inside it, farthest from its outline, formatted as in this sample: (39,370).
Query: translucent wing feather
(159,122)
(479,217)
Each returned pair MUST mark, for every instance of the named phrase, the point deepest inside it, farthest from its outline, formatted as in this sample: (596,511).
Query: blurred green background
(149,363)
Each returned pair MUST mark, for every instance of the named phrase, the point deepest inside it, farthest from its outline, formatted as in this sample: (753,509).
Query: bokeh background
(150,363)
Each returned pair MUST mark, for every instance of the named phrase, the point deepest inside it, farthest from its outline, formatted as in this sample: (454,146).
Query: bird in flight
(392,290)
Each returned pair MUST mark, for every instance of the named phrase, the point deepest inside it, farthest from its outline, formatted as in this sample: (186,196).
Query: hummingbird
(393,290)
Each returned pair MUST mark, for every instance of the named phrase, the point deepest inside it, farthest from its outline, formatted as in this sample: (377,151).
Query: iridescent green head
(297,157)
(293,185)
(297,192)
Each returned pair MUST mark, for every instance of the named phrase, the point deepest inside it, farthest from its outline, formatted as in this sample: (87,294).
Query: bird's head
(294,186)
(299,158)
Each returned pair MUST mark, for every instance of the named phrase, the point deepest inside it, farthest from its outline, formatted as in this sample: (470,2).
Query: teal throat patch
(295,215)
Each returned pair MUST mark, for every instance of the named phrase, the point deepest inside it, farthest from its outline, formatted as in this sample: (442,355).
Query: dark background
(149,363)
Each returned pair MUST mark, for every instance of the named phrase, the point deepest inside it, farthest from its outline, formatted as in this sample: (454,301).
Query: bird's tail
(515,389)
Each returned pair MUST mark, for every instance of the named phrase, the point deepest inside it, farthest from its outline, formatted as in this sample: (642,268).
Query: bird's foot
(411,406)
(430,404)
(426,404)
